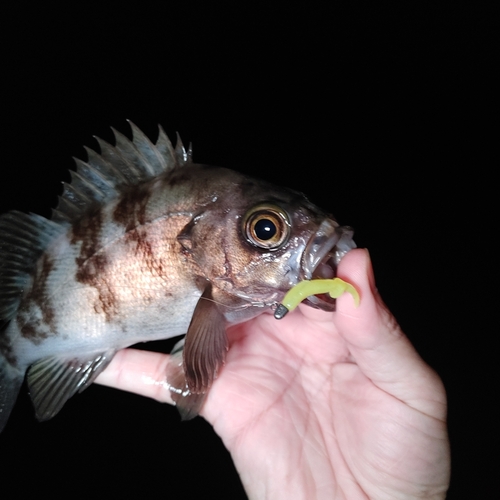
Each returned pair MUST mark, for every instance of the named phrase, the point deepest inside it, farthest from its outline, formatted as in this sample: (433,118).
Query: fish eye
(266,226)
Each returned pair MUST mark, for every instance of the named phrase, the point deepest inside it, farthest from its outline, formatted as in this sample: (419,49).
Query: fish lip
(322,255)
(330,239)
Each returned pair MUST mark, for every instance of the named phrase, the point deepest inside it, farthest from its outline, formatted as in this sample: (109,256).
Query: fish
(145,244)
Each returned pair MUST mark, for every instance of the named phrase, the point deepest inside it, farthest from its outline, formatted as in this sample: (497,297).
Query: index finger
(379,347)
(140,372)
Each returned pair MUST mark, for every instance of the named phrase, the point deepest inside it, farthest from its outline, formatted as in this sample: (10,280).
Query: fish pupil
(265,229)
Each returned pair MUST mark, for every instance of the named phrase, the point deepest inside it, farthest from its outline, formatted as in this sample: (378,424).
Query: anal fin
(52,381)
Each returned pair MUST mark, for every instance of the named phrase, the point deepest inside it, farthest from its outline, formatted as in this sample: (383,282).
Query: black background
(381,114)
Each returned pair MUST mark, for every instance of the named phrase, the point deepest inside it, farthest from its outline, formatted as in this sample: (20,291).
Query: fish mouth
(321,257)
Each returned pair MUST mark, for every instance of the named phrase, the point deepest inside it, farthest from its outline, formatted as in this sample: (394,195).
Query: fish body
(147,245)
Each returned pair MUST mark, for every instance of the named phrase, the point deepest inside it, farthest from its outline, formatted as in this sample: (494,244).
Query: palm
(320,405)
(293,403)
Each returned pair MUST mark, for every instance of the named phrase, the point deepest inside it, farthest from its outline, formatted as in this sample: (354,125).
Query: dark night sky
(382,110)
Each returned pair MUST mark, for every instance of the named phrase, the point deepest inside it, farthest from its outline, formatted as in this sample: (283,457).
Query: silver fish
(146,245)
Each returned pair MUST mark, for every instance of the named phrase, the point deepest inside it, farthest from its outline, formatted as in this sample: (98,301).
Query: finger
(140,372)
(377,344)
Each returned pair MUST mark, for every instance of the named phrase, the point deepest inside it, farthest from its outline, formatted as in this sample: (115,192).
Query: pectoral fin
(52,381)
(205,344)
(188,403)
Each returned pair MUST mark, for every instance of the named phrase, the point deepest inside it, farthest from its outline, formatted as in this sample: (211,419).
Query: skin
(321,405)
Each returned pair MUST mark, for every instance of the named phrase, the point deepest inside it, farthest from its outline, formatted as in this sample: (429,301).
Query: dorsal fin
(104,176)
(23,239)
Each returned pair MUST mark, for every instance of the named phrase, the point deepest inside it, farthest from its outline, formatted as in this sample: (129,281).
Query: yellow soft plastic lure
(335,287)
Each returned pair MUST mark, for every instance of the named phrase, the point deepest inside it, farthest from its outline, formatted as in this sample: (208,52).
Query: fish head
(255,241)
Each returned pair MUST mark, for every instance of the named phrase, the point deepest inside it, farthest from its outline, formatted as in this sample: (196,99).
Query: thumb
(379,347)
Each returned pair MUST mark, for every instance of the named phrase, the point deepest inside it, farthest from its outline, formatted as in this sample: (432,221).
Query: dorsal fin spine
(180,153)
(134,158)
(89,188)
(165,149)
(76,196)
(148,150)
(93,176)
(96,161)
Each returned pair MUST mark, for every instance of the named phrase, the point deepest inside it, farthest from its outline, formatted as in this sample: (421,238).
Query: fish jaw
(322,255)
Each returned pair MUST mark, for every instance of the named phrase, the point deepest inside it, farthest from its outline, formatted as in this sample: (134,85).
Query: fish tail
(23,239)
(10,384)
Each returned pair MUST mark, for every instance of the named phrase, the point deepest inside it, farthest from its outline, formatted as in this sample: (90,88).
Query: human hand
(320,405)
